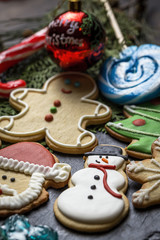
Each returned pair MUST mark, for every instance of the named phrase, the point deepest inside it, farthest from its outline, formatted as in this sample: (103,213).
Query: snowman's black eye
(12,179)
(100,156)
(4,177)
(97,161)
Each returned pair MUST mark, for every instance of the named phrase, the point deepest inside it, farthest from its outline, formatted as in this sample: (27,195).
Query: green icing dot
(53,109)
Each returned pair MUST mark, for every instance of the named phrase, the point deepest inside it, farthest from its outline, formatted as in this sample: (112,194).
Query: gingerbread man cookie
(95,200)
(147,172)
(27,169)
(59,112)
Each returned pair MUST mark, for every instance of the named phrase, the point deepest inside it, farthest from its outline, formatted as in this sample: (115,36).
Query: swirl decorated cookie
(134,77)
(141,128)
(59,112)
(19,228)
(27,169)
(95,200)
(147,172)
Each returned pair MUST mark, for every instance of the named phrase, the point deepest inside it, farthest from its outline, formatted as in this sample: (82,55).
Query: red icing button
(49,117)
(0,191)
(57,103)
(139,122)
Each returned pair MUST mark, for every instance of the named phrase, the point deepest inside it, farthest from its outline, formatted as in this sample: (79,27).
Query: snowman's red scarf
(106,186)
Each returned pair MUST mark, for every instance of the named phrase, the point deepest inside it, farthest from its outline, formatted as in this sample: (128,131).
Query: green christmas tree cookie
(141,128)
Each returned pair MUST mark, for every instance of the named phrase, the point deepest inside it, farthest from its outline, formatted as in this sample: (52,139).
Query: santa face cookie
(59,112)
(27,169)
(147,172)
(141,128)
(95,200)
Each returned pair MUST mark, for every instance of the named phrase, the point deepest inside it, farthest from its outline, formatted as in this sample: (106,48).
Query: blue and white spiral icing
(134,77)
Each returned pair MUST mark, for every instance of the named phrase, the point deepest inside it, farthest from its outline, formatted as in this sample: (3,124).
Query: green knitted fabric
(36,69)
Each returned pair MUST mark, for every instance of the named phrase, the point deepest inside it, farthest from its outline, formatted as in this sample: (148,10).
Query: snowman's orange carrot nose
(105,160)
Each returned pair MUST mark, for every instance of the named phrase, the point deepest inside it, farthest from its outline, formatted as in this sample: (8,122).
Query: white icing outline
(130,109)
(18,201)
(143,194)
(143,108)
(138,167)
(7,190)
(157,142)
(120,126)
(47,134)
(58,173)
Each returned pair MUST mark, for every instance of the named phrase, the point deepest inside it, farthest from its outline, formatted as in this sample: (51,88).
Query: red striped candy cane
(15,54)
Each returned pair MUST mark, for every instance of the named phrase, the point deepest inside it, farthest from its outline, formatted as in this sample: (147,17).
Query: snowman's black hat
(108,150)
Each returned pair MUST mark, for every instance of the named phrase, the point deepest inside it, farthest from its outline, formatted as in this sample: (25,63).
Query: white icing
(141,108)
(120,126)
(143,194)
(154,177)
(155,162)
(139,167)
(59,172)
(157,142)
(130,109)
(18,201)
(6,190)
(104,207)
(78,144)
(112,160)
(157,148)
(135,167)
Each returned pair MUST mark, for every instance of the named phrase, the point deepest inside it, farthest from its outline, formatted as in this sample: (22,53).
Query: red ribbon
(106,186)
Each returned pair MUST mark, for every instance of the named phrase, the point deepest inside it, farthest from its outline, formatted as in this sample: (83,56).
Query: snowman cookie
(59,112)
(147,172)
(95,200)
(27,169)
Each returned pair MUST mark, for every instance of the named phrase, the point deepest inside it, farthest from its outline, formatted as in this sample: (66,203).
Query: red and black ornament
(75,39)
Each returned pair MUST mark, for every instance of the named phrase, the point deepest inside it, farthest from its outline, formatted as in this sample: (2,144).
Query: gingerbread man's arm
(6,122)
(16,98)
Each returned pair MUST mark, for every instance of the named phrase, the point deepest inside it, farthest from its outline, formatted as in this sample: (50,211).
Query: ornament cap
(75,5)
